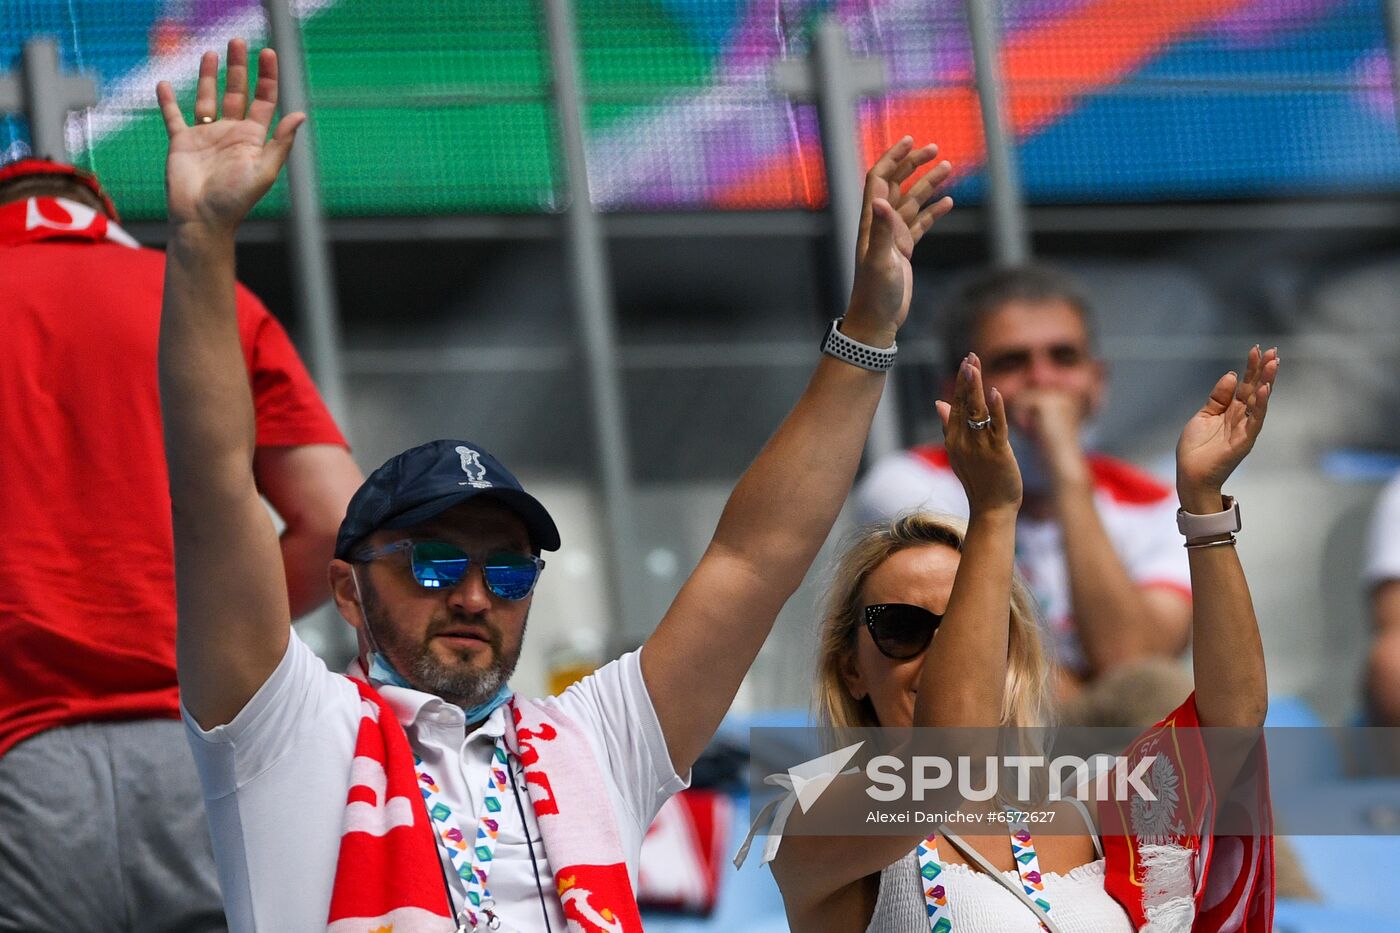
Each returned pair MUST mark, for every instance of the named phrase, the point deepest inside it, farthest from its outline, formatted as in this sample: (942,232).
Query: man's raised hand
(218,168)
(892,222)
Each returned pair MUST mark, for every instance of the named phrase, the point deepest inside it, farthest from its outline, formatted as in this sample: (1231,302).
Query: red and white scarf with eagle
(388,876)
(1165,861)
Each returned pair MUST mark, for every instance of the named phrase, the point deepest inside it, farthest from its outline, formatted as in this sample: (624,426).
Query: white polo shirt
(1138,513)
(276,779)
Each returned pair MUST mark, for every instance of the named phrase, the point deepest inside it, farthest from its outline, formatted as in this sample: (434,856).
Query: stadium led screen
(445,107)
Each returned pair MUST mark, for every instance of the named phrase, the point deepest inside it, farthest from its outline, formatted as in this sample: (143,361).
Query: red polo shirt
(87,597)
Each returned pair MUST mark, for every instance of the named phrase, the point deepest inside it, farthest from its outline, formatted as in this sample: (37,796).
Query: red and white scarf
(30,220)
(1163,861)
(388,874)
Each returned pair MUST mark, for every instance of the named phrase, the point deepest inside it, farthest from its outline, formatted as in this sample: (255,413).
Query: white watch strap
(1218,523)
(837,344)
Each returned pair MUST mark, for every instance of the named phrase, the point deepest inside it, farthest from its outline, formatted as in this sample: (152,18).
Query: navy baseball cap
(431,478)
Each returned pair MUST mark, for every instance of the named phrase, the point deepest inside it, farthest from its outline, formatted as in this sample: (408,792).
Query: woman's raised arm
(1231,686)
(963,681)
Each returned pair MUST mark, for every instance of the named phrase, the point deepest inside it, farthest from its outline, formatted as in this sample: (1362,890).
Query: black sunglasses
(901,631)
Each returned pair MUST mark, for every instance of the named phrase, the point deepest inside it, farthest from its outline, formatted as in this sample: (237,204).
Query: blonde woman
(918,632)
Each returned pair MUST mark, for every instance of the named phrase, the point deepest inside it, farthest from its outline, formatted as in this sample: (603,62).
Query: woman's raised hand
(1219,436)
(974,431)
(217,169)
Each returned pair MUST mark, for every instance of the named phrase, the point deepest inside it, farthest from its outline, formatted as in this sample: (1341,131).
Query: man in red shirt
(1096,539)
(102,815)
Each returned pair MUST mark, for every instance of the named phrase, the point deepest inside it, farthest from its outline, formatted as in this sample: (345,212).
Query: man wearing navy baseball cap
(450,489)
(420,792)
(426,480)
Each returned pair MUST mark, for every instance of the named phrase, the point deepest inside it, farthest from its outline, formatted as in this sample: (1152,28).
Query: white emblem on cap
(80,216)
(471,465)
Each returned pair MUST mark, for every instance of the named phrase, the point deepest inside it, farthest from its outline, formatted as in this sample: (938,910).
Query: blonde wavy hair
(1026,702)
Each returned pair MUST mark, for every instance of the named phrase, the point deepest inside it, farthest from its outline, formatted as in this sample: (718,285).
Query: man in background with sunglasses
(101,823)
(435,564)
(1096,538)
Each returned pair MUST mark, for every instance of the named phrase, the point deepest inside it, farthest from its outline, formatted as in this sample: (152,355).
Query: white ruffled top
(979,904)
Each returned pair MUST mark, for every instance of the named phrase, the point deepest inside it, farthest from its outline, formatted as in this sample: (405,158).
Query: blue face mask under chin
(382,672)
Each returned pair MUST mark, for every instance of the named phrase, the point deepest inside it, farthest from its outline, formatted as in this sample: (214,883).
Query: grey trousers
(102,830)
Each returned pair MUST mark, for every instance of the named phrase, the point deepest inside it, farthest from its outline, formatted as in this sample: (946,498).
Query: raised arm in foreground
(784,505)
(962,680)
(973,639)
(1231,687)
(231,593)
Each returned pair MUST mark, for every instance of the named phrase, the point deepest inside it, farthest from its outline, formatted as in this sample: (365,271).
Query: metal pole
(840,151)
(48,96)
(1392,30)
(837,94)
(311,260)
(1011,242)
(593,304)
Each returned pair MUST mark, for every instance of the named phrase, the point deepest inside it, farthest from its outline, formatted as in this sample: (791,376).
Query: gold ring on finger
(979,425)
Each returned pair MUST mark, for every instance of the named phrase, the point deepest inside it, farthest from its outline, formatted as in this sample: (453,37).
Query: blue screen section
(1310,111)
(104,37)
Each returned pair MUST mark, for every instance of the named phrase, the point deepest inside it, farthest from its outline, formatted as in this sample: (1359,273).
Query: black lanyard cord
(525,828)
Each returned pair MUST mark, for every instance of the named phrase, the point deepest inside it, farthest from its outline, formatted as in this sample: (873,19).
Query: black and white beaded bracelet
(856,353)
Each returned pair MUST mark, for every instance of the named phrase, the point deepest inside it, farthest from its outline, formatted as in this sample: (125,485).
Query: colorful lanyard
(472,862)
(936,898)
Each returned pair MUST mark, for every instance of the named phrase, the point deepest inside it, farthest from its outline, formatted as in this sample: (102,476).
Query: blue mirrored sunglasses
(439,565)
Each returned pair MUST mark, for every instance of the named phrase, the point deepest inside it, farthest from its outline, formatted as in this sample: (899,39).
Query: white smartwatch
(1195,526)
(837,344)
